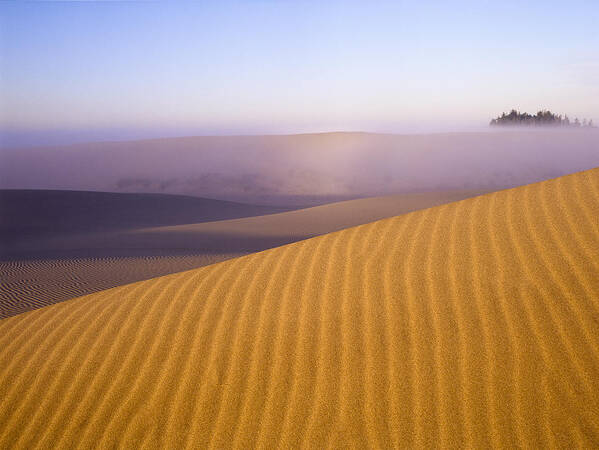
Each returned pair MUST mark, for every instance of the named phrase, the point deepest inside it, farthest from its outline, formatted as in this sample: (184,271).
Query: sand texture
(473,324)
(31,284)
(50,264)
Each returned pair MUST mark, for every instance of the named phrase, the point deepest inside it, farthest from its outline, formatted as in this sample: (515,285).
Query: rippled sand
(473,324)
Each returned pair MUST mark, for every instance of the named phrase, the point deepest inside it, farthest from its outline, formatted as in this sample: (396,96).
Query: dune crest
(46,269)
(472,324)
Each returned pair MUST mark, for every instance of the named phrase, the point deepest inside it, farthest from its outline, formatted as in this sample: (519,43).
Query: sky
(76,71)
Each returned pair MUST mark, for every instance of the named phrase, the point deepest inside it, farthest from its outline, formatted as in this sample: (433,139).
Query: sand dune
(31,213)
(47,267)
(473,324)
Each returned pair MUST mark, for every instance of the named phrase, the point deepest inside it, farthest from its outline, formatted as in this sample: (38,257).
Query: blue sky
(87,70)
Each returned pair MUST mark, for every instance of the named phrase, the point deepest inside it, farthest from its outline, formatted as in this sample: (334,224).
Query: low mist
(305,169)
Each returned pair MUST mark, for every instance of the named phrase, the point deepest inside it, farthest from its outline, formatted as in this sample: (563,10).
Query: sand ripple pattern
(30,284)
(470,325)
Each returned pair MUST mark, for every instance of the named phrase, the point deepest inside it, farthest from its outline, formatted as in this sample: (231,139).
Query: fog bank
(307,168)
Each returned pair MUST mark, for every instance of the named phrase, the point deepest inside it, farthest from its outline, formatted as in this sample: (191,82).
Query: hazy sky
(83,70)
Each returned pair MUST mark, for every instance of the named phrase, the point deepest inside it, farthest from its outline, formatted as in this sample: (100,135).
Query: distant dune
(469,325)
(46,212)
(50,264)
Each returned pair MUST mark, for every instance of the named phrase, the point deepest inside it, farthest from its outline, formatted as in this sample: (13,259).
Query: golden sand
(473,324)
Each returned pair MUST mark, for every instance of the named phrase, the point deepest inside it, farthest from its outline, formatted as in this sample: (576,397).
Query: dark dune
(34,213)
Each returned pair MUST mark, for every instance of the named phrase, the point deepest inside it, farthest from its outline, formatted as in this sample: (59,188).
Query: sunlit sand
(471,324)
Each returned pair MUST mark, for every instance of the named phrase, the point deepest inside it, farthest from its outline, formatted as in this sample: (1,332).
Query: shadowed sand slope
(473,324)
(46,212)
(48,269)
(31,284)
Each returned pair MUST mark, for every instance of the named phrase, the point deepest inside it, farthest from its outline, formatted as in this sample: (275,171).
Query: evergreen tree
(541,118)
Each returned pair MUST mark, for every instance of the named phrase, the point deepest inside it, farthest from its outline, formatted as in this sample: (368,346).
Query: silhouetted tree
(541,118)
